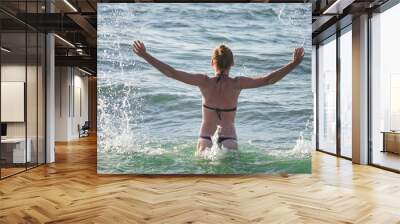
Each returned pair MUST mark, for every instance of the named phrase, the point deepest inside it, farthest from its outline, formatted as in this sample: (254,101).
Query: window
(22,102)
(385,89)
(346,75)
(327,96)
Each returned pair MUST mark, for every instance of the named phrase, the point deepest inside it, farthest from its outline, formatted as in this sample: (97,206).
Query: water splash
(120,105)
(302,149)
(119,115)
(294,18)
(217,151)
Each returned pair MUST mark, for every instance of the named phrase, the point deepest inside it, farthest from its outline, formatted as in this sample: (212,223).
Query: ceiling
(331,15)
(74,22)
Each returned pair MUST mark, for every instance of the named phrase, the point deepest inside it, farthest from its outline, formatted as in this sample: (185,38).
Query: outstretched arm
(273,77)
(188,78)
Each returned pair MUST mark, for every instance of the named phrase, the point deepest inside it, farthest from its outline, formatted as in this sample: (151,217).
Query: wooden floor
(70,191)
(10,171)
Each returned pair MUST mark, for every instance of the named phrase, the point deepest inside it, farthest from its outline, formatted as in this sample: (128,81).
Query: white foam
(217,151)
(302,149)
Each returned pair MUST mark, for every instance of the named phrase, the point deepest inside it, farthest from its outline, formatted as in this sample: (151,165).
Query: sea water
(148,123)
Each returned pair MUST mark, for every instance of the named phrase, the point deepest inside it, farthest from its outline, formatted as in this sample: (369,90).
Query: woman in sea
(220,92)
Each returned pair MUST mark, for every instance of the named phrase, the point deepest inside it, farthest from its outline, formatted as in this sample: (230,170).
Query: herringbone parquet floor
(70,191)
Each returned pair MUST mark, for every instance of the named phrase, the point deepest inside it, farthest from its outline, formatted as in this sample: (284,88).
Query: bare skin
(223,94)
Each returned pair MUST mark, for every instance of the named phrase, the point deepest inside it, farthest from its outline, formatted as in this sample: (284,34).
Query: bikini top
(219,110)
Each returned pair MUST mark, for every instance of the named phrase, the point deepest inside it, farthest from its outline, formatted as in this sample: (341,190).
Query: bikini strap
(219,76)
(219,111)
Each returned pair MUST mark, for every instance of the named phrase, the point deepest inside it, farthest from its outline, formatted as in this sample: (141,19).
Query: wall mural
(204,88)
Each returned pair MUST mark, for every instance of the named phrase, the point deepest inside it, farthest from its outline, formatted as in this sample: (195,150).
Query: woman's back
(220,97)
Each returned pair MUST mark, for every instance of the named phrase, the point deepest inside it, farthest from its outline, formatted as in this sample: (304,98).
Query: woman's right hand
(298,55)
(139,48)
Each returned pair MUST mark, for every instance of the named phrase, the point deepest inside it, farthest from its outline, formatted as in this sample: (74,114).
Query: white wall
(81,84)
(13,72)
(70,83)
(16,73)
(62,81)
(33,126)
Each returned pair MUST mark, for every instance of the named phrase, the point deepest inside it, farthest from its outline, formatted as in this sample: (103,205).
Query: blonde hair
(222,57)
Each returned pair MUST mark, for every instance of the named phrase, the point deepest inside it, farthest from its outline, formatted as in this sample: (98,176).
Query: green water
(180,159)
